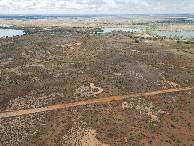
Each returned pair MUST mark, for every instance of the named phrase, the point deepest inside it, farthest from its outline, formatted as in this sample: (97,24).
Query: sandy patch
(82,137)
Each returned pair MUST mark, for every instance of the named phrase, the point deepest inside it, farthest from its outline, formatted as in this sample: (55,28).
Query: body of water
(10,33)
(5,25)
(105,30)
(184,34)
(190,19)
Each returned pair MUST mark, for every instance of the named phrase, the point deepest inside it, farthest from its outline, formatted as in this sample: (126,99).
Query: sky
(96,6)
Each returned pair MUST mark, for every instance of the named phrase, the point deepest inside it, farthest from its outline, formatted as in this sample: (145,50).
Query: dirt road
(100,100)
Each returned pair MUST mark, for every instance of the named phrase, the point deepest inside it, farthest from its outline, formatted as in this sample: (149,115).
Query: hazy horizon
(82,7)
(93,14)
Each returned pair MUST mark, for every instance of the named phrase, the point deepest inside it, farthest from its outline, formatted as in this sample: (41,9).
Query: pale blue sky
(96,6)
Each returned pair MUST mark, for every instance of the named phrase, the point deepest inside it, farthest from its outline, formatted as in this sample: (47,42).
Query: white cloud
(96,6)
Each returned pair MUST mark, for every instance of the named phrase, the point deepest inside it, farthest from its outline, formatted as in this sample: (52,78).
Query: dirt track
(100,100)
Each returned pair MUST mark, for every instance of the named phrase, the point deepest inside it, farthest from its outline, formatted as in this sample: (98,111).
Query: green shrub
(136,41)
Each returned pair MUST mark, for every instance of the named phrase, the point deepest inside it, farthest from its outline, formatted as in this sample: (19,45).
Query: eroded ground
(56,67)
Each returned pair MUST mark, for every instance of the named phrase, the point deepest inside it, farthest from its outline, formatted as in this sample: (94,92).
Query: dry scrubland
(81,22)
(176,27)
(74,22)
(64,66)
(171,23)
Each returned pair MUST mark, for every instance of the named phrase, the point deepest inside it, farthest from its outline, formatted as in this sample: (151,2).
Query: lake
(190,19)
(10,33)
(184,34)
(5,25)
(105,30)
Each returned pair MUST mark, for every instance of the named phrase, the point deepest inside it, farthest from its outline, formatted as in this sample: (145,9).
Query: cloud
(96,6)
